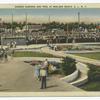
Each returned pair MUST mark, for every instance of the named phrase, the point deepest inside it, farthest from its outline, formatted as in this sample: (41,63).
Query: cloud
(45,18)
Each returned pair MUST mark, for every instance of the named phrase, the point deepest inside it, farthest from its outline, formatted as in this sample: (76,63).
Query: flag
(98,26)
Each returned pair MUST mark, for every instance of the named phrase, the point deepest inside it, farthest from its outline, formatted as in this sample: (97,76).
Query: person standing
(14,44)
(55,48)
(37,71)
(43,77)
(45,64)
(8,45)
(12,51)
(6,55)
(2,53)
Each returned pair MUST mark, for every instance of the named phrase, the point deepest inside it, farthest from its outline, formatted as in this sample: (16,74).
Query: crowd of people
(58,36)
(4,52)
(11,44)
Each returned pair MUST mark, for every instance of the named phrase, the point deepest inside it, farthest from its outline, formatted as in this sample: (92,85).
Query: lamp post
(67,33)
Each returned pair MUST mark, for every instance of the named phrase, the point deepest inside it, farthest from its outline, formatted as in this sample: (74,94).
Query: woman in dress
(37,70)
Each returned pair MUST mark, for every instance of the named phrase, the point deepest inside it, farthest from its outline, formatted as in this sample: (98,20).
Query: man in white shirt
(43,77)
(45,64)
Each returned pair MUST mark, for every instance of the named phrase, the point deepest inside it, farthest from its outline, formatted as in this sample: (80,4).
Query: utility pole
(74,38)
(67,28)
(12,24)
(78,20)
(26,29)
(67,34)
(26,21)
(49,19)
(50,29)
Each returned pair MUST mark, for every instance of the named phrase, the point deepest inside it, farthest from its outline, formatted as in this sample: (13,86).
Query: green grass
(32,54)
(93,83)
(91,86)
(90,55)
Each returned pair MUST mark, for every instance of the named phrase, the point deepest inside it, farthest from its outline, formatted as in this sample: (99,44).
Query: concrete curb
(83,68)
(72,77)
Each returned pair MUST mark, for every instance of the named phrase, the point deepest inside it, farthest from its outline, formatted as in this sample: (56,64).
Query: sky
(56,14)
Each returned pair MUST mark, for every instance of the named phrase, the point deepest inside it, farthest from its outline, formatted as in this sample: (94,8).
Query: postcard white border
(49,1)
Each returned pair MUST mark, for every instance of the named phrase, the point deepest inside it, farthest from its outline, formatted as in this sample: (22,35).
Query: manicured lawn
(90,55)
(92,86)
(32,54)
(93,83)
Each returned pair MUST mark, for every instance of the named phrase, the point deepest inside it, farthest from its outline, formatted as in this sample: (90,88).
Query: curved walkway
(81,51)
(17,76)
(77,58)
(37,58)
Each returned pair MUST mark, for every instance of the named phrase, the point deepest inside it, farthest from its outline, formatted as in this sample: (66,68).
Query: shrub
(68,66)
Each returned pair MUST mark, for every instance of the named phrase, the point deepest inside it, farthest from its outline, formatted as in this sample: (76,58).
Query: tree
(68,66)
(20,25)
(14,25)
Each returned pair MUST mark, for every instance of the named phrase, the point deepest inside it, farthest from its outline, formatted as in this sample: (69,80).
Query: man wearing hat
(43,75)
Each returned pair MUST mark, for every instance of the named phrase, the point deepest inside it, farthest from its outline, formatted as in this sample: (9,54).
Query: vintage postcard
(50,49)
